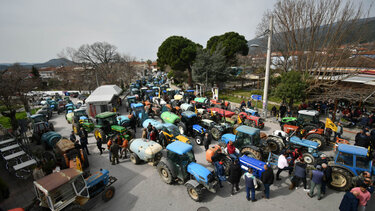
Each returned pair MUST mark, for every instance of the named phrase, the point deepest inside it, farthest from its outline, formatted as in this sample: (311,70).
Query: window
(362,162)
(345,158)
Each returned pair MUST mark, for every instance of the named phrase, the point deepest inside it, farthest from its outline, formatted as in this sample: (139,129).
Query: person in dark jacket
(299,175)
(72,137)
(267,179)
(83,140)
(220,173)
(251,185)
(235,173)
(327,171)
(133,123)
(206,141)
(99,145)
(115,148)
(349,202)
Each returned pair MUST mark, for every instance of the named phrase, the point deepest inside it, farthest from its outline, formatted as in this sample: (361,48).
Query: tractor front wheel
(308,158)
(165,173)
(134,158)
(341,179)
(195,193)
(108,193)
(251,153)
(318,139)
(216,134)
(198,140)
(182,128)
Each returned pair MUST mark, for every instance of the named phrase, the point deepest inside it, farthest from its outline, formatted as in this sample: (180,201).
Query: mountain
(50,63)
(366,25)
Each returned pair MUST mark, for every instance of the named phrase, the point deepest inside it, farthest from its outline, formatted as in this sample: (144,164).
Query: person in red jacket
(153,135)
(231,149)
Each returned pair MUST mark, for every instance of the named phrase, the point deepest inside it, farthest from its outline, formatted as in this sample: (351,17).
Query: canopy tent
(104,94)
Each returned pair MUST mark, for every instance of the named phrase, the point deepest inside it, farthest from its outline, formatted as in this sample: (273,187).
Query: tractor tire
(99,134)
(227,163)
(75,128)
(199,140)
(216,134)
(317,138)
(195,193)
(74,207)
(251,153)
(308,158)
(341,179)
(108,193)
(134,158)
(308,128)
(182,128)
(164,172)
(275,145)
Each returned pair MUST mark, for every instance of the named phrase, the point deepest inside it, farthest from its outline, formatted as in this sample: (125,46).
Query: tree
(210,68)
(292,87)
(312,36)
(232,42)
(35,72)
(179,53)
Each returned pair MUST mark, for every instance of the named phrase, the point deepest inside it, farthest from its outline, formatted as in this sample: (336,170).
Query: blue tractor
(350,161)
(138,110)
(309,149)
(178,164)
(129,101)
(257,166)
(69,190)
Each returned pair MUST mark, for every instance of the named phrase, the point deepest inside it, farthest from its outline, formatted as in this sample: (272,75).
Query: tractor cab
(201,102)
(172,133)
(105,120)
(135,91)
(187,107)
(139,112)
(79,113)
(308,116)
(62,189)
(149,94)
(180,155)
(189,95)
(131,99)
(123,121)
(354,158)
(122,132)
(38,118)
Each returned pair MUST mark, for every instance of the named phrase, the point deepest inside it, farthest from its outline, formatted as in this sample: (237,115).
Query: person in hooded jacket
(235,173)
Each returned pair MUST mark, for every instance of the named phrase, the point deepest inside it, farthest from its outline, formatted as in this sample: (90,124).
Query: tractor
(145,150)
(187,107)
(316,135)
(250,120)
(189,95)
(309,149)
(135,91)
(201,102)
(138,110)
(350,161)
(249,142)
(69,190)
(170,131)
(178,164)
(307,119)
(257,166)
(104,121)
(130,100)
(36,118)
(216,129)
(169,117)
(61,106)
(81,119)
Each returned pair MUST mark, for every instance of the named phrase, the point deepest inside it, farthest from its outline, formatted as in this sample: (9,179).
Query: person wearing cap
(350,201)
(364,196)
(316,181)
(327,171)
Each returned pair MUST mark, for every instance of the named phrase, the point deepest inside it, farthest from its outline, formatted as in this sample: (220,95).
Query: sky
(36,31)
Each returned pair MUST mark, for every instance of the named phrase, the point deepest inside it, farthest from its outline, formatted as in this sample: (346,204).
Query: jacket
(327,174)
(250,180)
(349,202)
(235,173)
(317,176)
(300,170)
(114,148)
(220,171)
(267,176)
(231,149)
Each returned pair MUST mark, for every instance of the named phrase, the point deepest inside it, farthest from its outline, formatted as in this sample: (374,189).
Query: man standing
(267,179)
(220,171)
(316,181)
(99,145)
(339,131)
(327,171)
(364,196)
(300,175)
(235,173)
(83,140)
(282,165)
(206,141)
(251,185)
(350,201)
(114,150)
(133,123)
(72,137)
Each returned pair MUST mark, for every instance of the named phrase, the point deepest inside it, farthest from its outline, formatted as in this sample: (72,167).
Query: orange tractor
(316,135)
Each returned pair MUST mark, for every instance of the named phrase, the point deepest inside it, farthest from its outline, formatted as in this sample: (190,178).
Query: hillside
(50,63)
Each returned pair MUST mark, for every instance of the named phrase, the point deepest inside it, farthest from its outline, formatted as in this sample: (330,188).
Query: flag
(159,94)
(239,121)
(331,125)
(79,165)
(212,113)
(196,111)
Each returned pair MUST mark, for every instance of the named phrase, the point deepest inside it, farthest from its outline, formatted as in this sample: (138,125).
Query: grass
(239,100)
(5,121)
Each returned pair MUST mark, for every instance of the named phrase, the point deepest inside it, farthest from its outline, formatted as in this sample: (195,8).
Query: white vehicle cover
(309,112)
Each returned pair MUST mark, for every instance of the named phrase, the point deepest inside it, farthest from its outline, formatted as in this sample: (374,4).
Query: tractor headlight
(310,150)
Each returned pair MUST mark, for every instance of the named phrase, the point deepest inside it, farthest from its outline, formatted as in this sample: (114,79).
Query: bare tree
(311,36)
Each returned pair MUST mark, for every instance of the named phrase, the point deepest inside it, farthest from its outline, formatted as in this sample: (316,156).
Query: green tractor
(172,118)
(81,119)
(107,125)
(307,119)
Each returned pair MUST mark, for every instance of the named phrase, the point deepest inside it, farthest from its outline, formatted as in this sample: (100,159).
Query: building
(104,98)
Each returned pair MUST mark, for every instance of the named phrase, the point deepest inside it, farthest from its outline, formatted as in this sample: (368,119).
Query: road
(139,187)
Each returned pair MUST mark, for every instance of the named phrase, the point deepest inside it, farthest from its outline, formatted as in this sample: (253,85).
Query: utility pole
(268,63)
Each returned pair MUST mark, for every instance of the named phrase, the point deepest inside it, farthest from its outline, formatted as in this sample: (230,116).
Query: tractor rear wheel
(164,172)
(318,139)
(275,145)
(198,140)
(341,179)
(182,128)
(134,158)
(108,193)
(216,134)
(251,153)
(308,128)
(195,193)
(308,158)
(99,134)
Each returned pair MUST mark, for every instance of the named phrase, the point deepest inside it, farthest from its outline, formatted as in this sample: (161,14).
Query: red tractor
(251,120)
(316,135)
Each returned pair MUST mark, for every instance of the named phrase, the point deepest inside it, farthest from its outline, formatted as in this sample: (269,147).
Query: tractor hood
(183,138)
(153,122)
(228,137)
(198,171)
(249,162)
(148,147)
(51,138)
(303,142)
(199,129)
(169,117)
